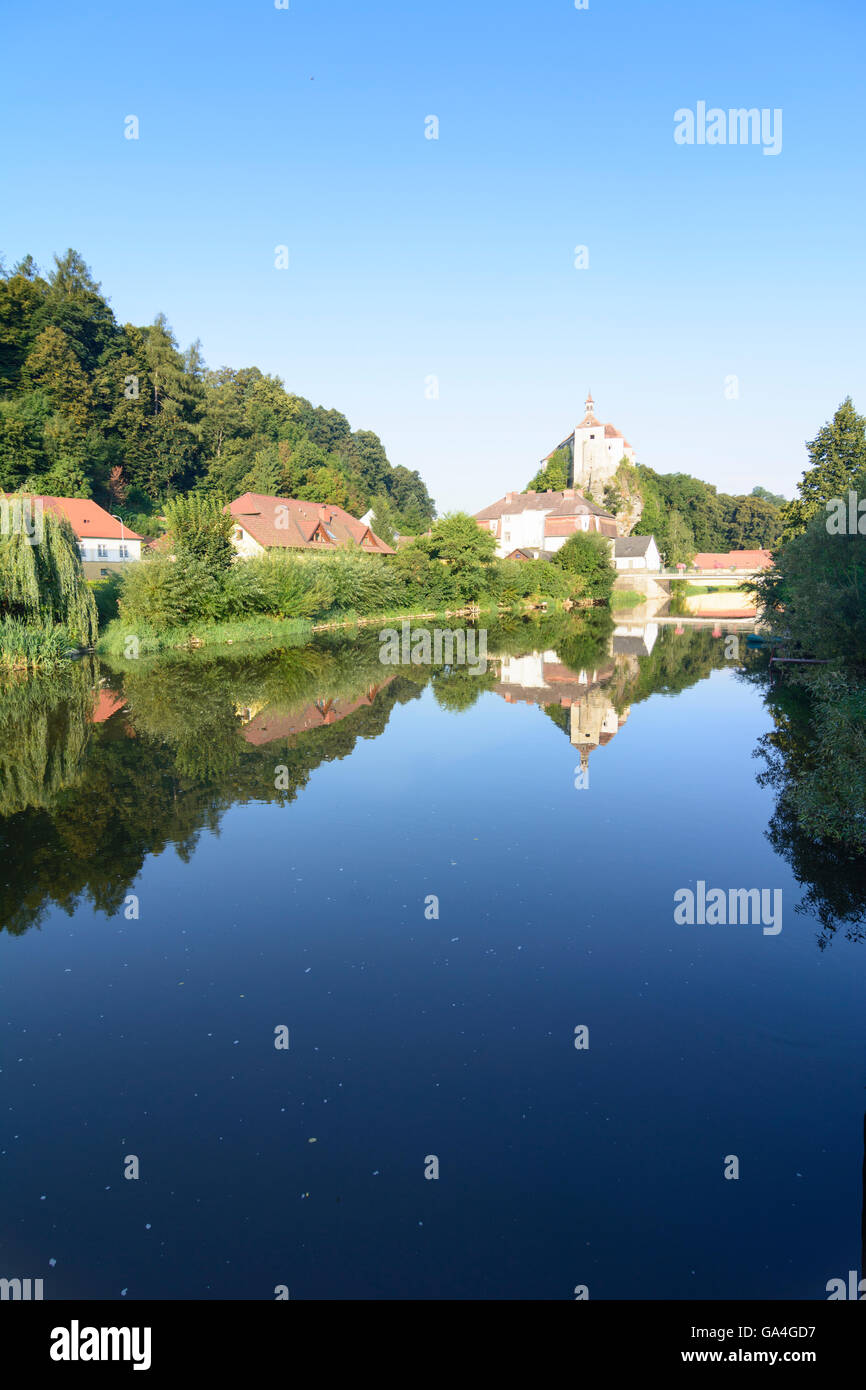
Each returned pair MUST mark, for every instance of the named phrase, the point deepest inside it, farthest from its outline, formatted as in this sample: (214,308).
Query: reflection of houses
(540,678)
(263,725)
(634,639)
(107,704)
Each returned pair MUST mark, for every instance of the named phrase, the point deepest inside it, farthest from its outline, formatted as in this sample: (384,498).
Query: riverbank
(119,641)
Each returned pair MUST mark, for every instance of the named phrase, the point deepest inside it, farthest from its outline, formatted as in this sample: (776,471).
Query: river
(356,981)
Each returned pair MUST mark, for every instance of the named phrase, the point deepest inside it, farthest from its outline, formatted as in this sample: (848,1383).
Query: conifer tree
(837,455)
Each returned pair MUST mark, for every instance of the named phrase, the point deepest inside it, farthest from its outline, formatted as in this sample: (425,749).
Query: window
(101,551)
(124,552)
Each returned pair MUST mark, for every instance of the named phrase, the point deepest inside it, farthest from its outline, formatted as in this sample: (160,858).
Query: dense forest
(93,408)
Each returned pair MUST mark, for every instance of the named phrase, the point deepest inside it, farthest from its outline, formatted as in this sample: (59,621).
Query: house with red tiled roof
(595,451)
(733,560)
(104,542)
(539,523)
(282,523)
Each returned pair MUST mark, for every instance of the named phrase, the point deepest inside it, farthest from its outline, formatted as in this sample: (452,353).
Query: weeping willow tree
(41,578)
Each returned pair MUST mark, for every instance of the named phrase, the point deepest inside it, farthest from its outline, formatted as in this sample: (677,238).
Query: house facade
(537,523)
(105,544)
(636,553)
(264,523)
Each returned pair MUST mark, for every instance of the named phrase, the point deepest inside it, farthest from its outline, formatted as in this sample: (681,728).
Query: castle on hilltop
(594,452)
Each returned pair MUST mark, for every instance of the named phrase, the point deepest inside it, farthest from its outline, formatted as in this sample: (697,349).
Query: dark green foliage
(686,515)
(554,475)
(106,593)
(82,396)
(837,456)
(464,548)
(28,646)
(200,527)
(816,592)
(586,558)
(774,498)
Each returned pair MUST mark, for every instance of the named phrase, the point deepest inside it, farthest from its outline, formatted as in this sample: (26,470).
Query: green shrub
(106,592)
(162,592)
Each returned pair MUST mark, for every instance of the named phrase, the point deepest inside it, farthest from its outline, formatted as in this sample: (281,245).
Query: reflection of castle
(594,721)
(540,678)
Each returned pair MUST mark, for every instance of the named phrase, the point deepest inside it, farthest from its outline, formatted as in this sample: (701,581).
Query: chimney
(569,492)
(510,496)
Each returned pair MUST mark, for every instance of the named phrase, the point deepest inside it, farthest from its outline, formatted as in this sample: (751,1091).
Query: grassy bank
(116,640)
(30,647)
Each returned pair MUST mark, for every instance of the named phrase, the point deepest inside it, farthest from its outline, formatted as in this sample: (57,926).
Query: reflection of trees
(586,641)
(676,662)
(814,760)
(456,690)
(46,726)
(87,835)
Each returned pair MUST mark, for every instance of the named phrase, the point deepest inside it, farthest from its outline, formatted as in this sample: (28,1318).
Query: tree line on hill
(93,408)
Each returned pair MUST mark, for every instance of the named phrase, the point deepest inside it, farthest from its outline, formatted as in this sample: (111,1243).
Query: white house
(104,542)
(636,553)
(536,522)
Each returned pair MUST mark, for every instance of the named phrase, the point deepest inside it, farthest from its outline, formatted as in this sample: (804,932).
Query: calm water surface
(278,824)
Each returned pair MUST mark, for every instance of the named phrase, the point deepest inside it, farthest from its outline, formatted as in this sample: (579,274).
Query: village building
(636,553)
(748,560)
(104,542)
(266,523)
(594,450)
(532,524)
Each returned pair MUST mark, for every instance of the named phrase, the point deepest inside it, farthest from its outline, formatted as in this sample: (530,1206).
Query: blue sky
(454,258)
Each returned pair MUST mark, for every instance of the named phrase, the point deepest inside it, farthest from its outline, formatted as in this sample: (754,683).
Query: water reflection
(105,765)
